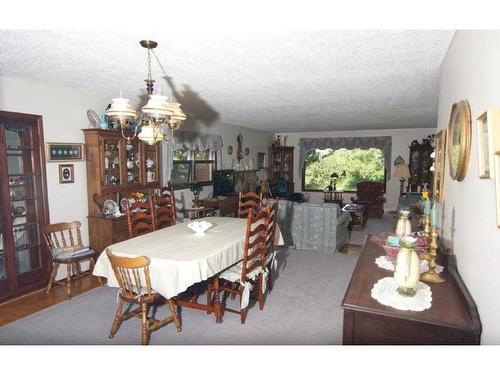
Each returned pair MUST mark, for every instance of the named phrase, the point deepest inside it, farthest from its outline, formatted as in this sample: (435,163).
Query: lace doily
(384,291)
(386,264)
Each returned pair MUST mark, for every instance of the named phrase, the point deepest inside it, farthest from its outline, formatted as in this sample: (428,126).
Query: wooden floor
(31,303)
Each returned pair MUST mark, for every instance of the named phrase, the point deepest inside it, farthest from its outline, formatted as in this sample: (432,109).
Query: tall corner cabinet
(115,169)
(420,165)
(281,166)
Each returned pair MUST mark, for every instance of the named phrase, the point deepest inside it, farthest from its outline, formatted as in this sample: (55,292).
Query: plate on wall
(109,208)
(93,118)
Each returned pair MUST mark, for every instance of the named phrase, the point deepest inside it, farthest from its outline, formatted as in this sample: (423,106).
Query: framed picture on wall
(66,173)
(439,160)
(487,141)
(57,152)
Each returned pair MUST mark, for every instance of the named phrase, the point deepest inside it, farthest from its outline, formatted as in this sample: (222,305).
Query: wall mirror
(459,139)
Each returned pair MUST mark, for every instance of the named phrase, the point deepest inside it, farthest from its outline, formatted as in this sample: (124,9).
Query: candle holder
(432,276)
(427,226)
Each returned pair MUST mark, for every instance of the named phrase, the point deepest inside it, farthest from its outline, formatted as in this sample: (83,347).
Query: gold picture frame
(496,161)
(66,173)
(488,141)
(59,152)
(459,139)
(439,165)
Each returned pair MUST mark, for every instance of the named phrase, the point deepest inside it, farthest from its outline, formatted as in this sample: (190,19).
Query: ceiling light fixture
(157,113)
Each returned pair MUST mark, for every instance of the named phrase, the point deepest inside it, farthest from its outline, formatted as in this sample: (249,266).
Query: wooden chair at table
(133,278)
(164,211)
(169,193)
(271,212)
(247,202)
(249,270)
(140,218)
(64,241)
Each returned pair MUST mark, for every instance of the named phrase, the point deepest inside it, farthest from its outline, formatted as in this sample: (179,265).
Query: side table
(359,215)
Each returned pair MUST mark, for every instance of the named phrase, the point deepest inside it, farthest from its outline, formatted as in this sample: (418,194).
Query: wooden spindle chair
(249,202)
(140,218)
(169,193)
(249,269)
(271,212)
(164,211)
(64,242)
(133,278)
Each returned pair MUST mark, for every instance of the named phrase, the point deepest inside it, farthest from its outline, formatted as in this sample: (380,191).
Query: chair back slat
(249,202)
(271,212)
(140,218)
(132,275)
(169,193)
(56,237)
(254,243)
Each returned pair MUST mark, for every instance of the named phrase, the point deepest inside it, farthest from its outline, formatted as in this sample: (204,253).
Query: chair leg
(68,280)
(173,310)
(117,321)
(91,268)
(209,295)
(260,294)
(144,316)
(78,269)
(270,279)
(53,275)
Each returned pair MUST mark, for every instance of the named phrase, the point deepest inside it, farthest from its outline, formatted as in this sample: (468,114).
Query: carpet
(303,308)
(373,225)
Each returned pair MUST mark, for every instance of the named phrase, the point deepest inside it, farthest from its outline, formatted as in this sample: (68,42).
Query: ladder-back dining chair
(140,217)
(249,202)
(164,211)
(133,278)
(64,242)
(169,193)
(271,212)
(240,278)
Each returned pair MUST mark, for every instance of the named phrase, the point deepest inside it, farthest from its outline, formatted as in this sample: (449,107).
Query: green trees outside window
(359,165)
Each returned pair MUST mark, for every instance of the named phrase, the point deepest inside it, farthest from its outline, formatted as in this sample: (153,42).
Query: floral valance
(194,141)
(383,143)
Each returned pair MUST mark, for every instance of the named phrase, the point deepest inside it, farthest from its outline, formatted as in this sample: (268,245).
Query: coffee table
(359,215)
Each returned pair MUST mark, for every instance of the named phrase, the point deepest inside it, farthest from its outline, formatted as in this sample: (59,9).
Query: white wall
(471,71)
(401,140)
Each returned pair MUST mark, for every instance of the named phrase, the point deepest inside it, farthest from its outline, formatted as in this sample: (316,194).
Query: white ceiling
(287,81)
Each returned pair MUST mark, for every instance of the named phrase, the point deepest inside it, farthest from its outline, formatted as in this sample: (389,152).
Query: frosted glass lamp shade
(151,134)
(120,110)
(157,107)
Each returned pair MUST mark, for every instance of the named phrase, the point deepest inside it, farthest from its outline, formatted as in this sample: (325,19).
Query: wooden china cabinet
(420,165)
(281,166)
(24,265)
(116,169)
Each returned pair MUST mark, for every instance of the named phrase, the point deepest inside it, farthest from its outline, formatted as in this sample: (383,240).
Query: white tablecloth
(181,258)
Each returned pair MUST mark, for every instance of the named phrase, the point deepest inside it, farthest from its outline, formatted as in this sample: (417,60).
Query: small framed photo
(496,161)
(57,152)
(488,141)
(261,160)
(66,173)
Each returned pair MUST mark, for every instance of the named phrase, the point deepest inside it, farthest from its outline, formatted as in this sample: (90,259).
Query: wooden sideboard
(452,318)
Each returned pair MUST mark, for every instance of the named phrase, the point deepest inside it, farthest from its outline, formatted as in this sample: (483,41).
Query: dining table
(180,258)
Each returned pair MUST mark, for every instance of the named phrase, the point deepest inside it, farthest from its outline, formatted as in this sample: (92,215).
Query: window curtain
(383,143)
(192,141)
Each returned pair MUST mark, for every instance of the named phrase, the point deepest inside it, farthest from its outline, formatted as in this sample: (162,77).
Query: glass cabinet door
(22,207)
(151,167)
(112,163)
(132,163)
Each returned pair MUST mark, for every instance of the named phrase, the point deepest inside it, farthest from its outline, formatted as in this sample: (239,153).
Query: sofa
(313,226)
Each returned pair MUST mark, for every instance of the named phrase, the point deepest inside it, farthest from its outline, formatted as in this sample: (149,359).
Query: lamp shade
(402,171)
(120,109)
(151,134)
(157,107)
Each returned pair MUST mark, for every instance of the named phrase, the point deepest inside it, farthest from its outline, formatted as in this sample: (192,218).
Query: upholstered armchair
(371,194)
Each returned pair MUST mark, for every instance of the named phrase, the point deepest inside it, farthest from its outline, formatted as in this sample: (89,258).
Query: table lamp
(403,172)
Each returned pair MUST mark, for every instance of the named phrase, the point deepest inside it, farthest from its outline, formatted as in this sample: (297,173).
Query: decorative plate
(109,208)
(93,118)
(123,204)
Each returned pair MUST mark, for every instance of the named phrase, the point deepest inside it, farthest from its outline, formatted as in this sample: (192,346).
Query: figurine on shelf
(277,142)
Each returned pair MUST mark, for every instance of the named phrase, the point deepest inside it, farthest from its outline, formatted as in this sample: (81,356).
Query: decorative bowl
(199,227)
(391,251)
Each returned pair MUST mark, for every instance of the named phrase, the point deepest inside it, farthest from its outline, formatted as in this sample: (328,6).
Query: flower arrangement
(137,197)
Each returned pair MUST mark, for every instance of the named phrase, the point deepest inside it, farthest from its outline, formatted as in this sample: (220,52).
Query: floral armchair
(371,194)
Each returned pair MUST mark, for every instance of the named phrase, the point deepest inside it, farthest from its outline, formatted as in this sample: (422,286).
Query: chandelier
(157,114)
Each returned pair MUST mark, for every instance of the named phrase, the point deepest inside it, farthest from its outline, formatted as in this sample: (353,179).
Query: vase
(407,269)
(403,227)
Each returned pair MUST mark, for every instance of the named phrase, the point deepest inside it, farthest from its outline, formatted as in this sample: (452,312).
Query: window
(359,165)
(192,166)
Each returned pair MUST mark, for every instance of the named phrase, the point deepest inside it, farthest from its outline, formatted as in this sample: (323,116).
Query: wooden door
(23,208)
